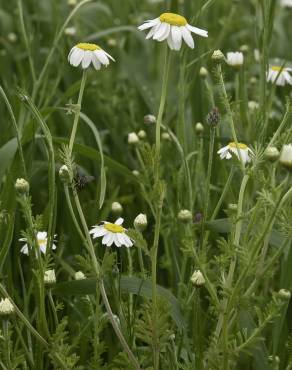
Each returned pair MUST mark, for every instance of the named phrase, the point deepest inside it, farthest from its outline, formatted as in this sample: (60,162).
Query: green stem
(77,113)
(282,125)
(5,326)
(161,111)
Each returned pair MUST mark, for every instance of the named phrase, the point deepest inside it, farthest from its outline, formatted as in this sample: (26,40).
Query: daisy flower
(279,75)
(172,27)
(42,241)
(85,54)
(227,151)
(112,233)
(234,59)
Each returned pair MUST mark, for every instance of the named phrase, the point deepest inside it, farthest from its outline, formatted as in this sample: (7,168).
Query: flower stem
(77,113)
(160,111)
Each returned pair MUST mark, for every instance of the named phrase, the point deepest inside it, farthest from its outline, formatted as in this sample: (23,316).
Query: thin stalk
(5,326)
(281,126)
(17,132)
(77,112)
(161,111)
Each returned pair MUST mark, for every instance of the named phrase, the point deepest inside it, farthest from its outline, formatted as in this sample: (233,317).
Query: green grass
(137,307)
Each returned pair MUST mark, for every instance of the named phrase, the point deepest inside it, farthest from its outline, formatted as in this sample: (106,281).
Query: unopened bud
(286,156)
(6,307)
(140,222)
(165,136)
(12,37)
(197,278)
(218,56)
(199,128)
(50,277)
(133,138)
(253,105)
(64,174)
(203,72)
(71,2)
(185,215)
(79,275)
(22,186)
(117,208)
(232,207)
(70,31)
(284,294)
(271,153)
(149,119)
(142,134)
(136,173)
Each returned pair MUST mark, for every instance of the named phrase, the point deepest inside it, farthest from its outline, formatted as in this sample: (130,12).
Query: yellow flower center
(114,228)
(173,19)
(276,68)
(42,241)
(87,46)
(240,145)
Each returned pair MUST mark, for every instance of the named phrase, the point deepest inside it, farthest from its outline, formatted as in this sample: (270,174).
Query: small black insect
(80,180)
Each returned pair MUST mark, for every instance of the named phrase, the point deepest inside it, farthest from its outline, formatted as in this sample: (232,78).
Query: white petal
(96,63)
(223,149)
(86,60)
(197,30)
(161,31)
(186,34)
(106,238)
(120,237)
(99,231)
(149,24)
(71,52)
(176,37)
(76,57)
(42,235)
(111,239)
(127,241)
(116,241)
(54,246)
(43,247)
(109,56)
(119,221)
(101,57)
(24,249)
(151,32)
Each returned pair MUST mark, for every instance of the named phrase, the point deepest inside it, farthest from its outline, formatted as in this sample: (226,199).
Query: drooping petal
(186,34)
(86,59)
(197,31)
(161,31)
(176,37)
(95,61)
(127,241)
(76,57)
(106,238)
(111,239)
(151,32)
(43,247)
(149,24)
(24,249)
(102,57)
(119,221)
(116,241)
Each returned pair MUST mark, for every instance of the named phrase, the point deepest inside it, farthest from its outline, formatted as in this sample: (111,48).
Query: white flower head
(172,27)
(112,233)
(6,307)
(198,278)
(286,3)
(235,59)
(227,151)
(79,275)
(286,156)
(85,54)
(279,75)
(133,138)
(42,241)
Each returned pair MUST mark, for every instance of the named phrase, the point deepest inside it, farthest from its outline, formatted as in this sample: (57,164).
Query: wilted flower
(42,241)
(133,138)
(227,151)
(50,277)
(112,233)
(185,215)
(235,59)
(140,222)
(79,275)
(174,28)
(286,156)
(197,278)
(85,54)
(279,75)
(6,307)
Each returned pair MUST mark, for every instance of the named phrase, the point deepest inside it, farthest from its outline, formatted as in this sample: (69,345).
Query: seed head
(213,117)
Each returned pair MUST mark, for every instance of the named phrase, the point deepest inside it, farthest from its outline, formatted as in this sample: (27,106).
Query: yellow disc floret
(173,19)
(239,145)
(114,228)
(277,68)
(87,46)
(42,241)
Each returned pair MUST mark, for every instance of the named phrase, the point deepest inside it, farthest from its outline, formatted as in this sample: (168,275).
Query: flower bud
(203,72)
(271,153)
(244,48)
(50,277)
(185,215)
(6,307)
(149,119)
(71,2)
(235,59)
(232,207)
(253,105)
(117,208)
(135,173)
(286,156)
(218,56)
(213,117)
(140,222)
(64,174)
(79,275)
(199,128)
(22,187)
(70,31)
(165,136)
(284,294)
(112,42)
(12,37)
(142,134)
(197,278)
(133,138)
